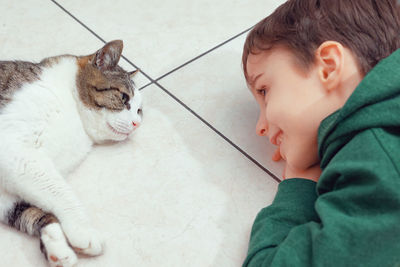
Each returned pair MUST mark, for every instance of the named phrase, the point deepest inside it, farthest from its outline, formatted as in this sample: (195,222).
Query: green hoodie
(351,217)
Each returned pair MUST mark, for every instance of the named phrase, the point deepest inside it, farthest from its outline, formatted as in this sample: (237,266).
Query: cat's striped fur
(29,219)
(13,75)
(50,115)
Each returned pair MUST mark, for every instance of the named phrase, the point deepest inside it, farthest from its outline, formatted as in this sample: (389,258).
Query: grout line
(98,37)
(146,85)
(201,55)
(273,176)
(142,72)
(196,58)
(77,20)
(192,60)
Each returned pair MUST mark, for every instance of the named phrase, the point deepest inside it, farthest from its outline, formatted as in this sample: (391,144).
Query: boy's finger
(284,173)
(277,155)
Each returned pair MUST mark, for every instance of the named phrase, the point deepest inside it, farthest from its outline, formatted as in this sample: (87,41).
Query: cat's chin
(109,137)
(116,135)
(116,132)
(110,141)
(120,138)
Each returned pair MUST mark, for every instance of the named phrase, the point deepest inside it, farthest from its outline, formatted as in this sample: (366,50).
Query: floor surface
(185,189)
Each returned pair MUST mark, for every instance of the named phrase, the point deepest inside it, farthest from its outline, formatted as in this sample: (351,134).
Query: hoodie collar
(374,103)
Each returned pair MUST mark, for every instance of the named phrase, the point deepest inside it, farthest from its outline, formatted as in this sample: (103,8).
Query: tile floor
(185,189)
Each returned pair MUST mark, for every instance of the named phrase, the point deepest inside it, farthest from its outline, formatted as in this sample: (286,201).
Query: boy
(326,75)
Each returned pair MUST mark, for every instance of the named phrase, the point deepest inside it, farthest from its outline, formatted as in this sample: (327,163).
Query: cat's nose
(135,124)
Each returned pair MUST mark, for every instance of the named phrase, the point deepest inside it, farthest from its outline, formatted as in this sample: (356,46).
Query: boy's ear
(330,60)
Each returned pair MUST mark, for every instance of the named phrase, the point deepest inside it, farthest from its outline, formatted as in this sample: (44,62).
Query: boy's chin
(299,165)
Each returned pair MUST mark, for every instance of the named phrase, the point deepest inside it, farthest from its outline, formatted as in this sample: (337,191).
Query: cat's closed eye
(125,98)
(140,112)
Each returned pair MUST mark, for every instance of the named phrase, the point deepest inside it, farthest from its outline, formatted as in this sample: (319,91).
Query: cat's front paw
(56,248)
(86,241)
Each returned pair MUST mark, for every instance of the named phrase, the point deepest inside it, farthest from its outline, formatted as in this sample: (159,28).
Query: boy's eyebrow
(253,80)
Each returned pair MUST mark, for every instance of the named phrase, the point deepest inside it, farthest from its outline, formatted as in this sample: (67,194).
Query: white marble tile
(175,194)
(182,196)
(214,87)
(162,35)
(32,30)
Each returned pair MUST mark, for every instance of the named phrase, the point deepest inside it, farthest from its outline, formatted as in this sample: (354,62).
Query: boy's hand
(313,173)
(277,155)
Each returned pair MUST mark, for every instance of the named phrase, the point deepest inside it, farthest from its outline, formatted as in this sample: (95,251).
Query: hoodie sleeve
(353,222)
(293,205)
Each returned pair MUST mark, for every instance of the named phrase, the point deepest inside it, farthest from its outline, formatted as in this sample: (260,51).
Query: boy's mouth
(276,139)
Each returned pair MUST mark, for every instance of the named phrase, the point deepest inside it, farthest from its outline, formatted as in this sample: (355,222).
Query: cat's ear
(133,73)
(108,56)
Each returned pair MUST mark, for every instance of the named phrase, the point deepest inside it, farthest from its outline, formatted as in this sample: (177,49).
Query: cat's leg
(31,175)
(36,222)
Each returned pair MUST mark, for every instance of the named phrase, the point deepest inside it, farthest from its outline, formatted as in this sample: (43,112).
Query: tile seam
(270,173)
(152,81)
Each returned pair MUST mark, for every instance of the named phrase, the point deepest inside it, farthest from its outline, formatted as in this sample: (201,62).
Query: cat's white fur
(46,131)
(57,248)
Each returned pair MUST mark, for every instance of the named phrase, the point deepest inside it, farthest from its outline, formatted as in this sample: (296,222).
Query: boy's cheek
(277,113)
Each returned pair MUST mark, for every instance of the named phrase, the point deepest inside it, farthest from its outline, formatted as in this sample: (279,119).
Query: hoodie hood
(375,103)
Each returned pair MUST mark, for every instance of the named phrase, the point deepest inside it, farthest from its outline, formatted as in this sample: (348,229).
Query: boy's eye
(261,92)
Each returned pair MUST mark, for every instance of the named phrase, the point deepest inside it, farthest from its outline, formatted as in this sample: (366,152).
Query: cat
(51,113)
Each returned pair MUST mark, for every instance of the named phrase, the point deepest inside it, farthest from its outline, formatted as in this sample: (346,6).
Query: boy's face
(292,105)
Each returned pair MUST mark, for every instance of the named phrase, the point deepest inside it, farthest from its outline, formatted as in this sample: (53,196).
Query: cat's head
(110,105)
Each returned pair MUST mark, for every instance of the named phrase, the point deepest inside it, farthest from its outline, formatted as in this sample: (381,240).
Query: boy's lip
(276,138)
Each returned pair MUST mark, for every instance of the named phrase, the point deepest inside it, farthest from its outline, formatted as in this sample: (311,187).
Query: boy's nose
(262,130)
(262,127)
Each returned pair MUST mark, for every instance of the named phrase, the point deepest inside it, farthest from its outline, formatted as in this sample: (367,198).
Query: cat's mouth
(116,131)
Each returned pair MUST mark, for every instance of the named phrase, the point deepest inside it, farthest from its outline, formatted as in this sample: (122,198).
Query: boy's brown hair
(369,28)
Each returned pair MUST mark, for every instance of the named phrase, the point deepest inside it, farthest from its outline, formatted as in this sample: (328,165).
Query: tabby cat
(51,113)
